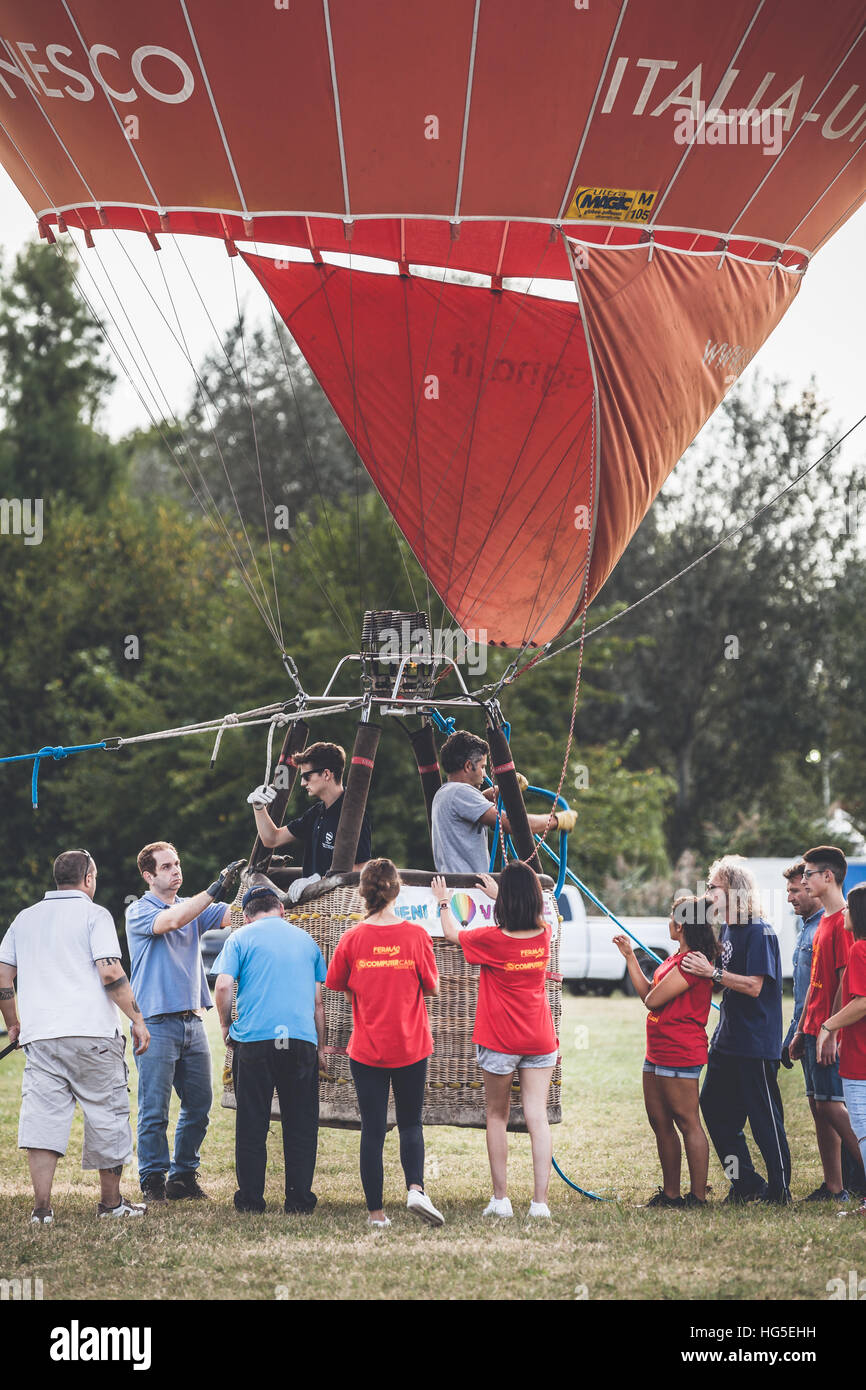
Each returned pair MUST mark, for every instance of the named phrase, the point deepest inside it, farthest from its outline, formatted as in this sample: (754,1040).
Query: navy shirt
(751,1027)
(317,828)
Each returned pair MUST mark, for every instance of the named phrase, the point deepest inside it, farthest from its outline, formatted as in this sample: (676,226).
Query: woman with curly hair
(678,1007)
(385,966)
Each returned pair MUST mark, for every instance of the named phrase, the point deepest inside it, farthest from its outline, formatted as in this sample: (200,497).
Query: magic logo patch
(612,204)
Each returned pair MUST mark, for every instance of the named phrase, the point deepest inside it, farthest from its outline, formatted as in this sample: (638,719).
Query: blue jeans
(179,1057)
(855,1099)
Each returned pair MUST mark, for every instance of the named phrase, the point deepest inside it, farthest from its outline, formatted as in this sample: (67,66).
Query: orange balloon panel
(473,412)
(483,109)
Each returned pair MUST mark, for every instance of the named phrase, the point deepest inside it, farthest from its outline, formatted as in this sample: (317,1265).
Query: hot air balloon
(676,165)
(517,441)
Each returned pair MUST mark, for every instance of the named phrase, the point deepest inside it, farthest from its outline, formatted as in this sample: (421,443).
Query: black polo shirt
(317,829)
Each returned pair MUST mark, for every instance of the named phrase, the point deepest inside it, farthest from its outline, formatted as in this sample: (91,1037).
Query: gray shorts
(60,1071)
(504,1063)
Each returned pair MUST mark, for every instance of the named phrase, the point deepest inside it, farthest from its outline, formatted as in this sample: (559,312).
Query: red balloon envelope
(680,162)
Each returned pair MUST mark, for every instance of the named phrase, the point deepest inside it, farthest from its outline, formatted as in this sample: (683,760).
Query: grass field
(595,1250)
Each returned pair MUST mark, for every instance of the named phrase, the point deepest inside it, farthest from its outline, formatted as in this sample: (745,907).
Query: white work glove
(297,887)
(262,796)
(522,782)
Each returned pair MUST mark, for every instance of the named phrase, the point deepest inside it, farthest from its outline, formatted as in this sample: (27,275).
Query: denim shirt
(802,967)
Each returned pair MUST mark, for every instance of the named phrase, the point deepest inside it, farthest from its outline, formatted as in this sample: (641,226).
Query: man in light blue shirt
(278,1042)
(168,978)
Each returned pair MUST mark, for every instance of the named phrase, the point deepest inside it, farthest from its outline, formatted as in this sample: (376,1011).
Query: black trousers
(372,1085)
(291,1067)
(737,1089)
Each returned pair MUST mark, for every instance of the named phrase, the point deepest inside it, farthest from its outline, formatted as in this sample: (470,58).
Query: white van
(588,960)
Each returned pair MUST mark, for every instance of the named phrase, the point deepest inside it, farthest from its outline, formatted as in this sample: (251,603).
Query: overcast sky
(822,334)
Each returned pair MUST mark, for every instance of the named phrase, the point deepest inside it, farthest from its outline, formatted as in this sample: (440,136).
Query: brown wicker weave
(455,1092)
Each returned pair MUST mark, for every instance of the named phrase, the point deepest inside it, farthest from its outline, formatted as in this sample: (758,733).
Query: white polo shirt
(54,946)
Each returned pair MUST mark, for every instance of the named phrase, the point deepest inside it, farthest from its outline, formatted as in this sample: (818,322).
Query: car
(588,960)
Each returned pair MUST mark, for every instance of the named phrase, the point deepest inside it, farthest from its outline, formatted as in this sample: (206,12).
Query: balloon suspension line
(736,530)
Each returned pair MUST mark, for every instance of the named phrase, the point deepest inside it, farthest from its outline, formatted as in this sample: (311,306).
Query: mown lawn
(595,1250)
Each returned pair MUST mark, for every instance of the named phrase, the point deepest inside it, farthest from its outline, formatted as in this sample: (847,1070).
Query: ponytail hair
(380,883)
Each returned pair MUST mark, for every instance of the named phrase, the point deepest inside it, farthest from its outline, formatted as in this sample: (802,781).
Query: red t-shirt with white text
(852,1055)
(676,1034)
(513,1015)
(829,954)
(386,969)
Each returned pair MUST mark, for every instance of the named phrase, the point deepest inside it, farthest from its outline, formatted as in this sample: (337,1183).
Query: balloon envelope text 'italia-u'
(677,164)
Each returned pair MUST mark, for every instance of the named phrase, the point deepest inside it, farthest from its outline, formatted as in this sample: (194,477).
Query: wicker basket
(455,1091)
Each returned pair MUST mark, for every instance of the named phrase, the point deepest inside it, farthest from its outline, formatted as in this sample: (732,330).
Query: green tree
(52,383)
(726,684)
(288,450)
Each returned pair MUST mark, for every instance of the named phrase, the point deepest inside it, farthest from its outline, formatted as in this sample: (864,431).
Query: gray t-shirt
(459,840)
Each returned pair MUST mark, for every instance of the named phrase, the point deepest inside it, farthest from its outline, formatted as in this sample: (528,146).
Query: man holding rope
(163,931)
(462,811)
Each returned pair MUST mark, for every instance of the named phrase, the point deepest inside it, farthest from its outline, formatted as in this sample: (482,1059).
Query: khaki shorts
(92,1071)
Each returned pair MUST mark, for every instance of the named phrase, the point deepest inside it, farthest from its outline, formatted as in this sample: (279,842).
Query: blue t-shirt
(167,972)
(751,1027)
(276,965)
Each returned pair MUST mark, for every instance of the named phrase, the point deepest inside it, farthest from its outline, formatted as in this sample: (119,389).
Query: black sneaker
(690,1200)
(742,1199)
(242,1205)
(184,1185)
(661,1199)
(775,1199)
(821,1194)
(153,1187)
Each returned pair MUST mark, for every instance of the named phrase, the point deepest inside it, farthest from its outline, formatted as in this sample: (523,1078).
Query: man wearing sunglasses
(321,774)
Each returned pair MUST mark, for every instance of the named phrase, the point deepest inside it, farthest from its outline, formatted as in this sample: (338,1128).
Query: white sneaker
(498,1206)
(419,1204)
(123,1208)
(378,1225)
(41,1216)
(540,1209)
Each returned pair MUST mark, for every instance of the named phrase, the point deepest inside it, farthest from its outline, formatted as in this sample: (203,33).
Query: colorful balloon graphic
(463,908)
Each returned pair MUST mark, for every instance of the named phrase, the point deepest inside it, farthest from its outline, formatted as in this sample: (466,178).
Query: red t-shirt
(386,969)
(513,1014)
(829,954)
(676,1034)
(852,1057)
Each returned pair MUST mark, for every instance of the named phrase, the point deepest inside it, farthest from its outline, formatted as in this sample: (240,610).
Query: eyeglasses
(305,776)
(90,859)
(810,873)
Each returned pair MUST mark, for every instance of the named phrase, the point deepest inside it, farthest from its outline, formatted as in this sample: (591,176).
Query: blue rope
(48,752)
(582,1190)
(607,912)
